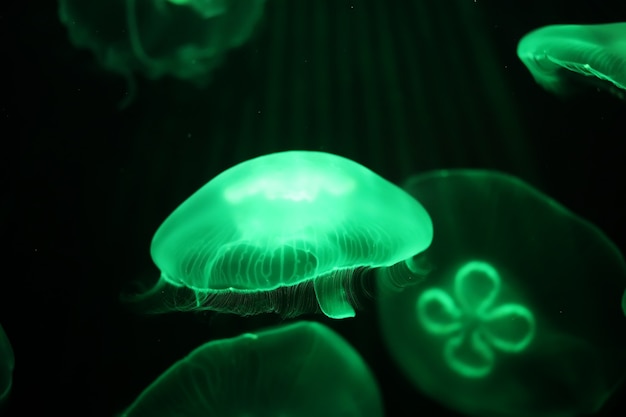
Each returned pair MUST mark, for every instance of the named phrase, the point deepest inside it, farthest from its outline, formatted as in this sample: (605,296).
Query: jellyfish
(259,235)
(184,39)
(559,55)
(522,312)
(298,369)
(7,362)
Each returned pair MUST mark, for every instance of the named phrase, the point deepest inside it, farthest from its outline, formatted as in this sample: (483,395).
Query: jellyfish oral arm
(407,273)
(331,295)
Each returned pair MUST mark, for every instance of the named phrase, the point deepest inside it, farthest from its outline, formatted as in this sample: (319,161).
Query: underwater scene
(314,208)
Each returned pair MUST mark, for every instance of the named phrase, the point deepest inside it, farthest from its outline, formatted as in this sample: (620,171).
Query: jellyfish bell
(288,370)
(511,310)
(190,40)
(261,233)
(563,58)
(183,39)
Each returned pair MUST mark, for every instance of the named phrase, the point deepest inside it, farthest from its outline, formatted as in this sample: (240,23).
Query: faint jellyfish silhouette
(522,313)
(290,370)
(255,237)
(184,39)
(559,56)
(7,362)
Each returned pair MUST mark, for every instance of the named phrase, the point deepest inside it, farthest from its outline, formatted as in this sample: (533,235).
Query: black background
(86,185)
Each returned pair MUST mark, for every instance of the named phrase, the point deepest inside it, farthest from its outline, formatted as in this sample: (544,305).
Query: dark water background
(400,87)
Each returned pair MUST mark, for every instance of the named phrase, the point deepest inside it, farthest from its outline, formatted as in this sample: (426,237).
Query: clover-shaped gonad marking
(475,325)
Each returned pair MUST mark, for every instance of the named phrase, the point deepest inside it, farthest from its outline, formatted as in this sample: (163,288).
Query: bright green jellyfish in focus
(300,369)
(184,39)
(7,362)
(259,235)
(559,55)
(522,313)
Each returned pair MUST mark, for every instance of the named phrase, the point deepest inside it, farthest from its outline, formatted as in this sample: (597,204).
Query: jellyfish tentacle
(419,265)
(398,277)
(133,33)
(332,297)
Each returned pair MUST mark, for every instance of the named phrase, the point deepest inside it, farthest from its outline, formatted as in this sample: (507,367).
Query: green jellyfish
(184,39)
(299,369)
(559,54)
(522,312)
(7,362)
(259,235)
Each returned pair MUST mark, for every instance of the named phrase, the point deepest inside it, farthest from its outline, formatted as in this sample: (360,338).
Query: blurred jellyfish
(522,313)
(255,237)
(184,39)
(301,369)
(560,55)
(7,362)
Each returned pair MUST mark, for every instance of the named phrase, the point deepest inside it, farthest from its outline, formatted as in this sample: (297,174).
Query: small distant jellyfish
(290,370)
(256,237)
(559,56)
(7,362)
(184,39)
(522,311)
